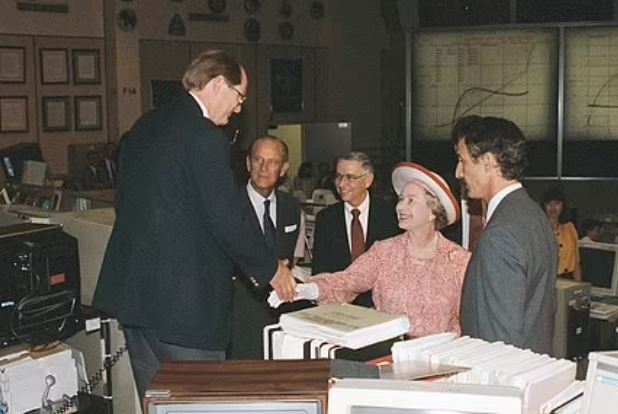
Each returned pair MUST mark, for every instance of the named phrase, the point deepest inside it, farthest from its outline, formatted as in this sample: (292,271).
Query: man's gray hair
(361,157)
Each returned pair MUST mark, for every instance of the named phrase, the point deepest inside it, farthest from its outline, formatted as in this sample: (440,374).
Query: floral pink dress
(428,291)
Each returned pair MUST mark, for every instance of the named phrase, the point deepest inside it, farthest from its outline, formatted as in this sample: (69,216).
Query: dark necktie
(358,238)
(269,227)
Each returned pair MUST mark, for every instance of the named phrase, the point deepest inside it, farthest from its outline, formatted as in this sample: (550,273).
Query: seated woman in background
(418,273)
(555,206)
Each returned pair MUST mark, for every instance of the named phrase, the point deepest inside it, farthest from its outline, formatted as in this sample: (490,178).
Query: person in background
(326,178)
(179,232)
(418,273)
(592,230)
(555,206)
(93,176)
(277,215)
(344,230)
(109,163)
(305,181)
(509,290)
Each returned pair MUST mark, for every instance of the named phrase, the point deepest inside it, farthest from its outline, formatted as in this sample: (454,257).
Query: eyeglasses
(348,177)
(241,96)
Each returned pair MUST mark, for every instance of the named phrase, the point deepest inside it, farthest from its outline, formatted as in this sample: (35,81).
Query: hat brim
(405,172)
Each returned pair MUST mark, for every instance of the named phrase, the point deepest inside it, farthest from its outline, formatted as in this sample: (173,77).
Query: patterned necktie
(358,238)
(269,227)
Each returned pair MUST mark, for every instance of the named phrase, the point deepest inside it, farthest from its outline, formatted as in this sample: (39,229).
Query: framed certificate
(87,113)
(86,66)
(54,66)
(14,114)
(12,65)
(56,113)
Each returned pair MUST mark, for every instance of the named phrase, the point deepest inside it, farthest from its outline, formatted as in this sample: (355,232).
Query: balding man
(278,216)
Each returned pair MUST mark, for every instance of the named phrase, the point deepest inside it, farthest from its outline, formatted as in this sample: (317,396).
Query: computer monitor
(382,396)
(599,262)
(13,159)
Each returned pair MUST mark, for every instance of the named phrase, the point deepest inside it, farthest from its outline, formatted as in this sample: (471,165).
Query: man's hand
(304,291)
(283,282)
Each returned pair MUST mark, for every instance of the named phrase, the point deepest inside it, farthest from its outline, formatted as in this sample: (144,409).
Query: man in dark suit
(167,271)
(283,229)
(93,177)
(509,290)
(334,236)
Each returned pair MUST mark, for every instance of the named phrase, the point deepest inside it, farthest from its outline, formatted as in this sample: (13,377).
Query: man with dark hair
(277,215)
(509,289)
(167,271)
(346,229)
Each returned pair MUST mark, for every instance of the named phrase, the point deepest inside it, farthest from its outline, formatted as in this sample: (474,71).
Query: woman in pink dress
(418,273)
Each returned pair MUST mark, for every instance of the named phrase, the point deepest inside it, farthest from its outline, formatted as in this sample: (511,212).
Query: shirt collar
(363,207)
(202,106)
(498,197)
(257,197)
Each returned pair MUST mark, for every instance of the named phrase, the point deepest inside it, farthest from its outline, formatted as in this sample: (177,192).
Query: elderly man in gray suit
(509,290)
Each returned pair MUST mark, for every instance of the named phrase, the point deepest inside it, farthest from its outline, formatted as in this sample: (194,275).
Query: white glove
(307,291)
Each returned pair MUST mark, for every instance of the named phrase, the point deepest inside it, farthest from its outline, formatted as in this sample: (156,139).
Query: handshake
(306,291)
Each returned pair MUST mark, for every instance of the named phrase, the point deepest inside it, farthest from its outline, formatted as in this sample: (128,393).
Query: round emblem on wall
(217,6)
(126,19)
(252,30)
(286,30)
(252,6)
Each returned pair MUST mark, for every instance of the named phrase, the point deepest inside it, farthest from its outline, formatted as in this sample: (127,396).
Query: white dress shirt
(498,197)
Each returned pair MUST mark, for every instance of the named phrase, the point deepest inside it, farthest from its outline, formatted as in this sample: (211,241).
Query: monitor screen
(385,396)
(597,266)
(600,267)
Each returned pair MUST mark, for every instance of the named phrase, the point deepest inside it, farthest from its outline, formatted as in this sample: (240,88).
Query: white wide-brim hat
(405,172)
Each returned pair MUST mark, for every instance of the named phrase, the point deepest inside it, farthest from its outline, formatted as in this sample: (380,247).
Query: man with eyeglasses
(179,231)
(346,229)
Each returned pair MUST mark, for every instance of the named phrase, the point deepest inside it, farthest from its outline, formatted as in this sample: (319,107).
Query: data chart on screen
(504,73)
(591,83)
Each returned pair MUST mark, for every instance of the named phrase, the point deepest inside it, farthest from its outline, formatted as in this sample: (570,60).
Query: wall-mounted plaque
(12,64)
(14,114)
(54,66)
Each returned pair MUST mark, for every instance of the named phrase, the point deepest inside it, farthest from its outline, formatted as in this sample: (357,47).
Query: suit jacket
(331,250)
(251,311)
(94,180)
(509,289)
(178,231)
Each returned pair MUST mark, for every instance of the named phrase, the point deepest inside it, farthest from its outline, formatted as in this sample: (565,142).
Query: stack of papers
(347,325)
(539,377)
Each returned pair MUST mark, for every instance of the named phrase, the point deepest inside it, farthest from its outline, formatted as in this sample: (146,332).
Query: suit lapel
(249,209)
(340,232)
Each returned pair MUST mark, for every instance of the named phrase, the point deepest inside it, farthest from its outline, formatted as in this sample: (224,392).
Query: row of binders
(539,377)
